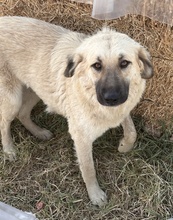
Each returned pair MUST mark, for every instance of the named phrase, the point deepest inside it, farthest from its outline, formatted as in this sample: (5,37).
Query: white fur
(33,59)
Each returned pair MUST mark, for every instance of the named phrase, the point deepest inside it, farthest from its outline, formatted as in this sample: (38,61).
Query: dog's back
(23,31)
(27,50)
(26,40)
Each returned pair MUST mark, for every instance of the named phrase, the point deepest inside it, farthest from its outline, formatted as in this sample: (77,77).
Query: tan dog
(93,81)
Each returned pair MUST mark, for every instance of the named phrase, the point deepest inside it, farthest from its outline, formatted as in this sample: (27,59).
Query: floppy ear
(72,63)
(69,71)
(145,63)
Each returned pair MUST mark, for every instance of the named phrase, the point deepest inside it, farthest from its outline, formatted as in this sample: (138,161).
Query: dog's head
(110,61)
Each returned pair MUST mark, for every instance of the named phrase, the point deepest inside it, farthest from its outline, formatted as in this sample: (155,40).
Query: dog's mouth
(112,96)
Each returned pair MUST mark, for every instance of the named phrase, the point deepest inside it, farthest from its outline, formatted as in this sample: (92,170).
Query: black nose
(111,97)
(114,95)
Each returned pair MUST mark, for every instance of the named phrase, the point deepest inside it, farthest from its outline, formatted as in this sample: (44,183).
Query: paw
(125,146)
(10,155)
(44,134)
(98,197)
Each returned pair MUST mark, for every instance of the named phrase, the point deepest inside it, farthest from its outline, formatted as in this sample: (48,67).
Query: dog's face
(109,61)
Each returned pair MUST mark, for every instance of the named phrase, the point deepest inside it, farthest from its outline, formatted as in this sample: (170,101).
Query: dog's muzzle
(112,96)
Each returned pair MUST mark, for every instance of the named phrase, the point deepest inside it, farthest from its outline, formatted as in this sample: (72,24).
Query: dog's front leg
(127,143)
(83,148)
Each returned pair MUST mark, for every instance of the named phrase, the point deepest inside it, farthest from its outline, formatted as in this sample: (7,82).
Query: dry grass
(139,184)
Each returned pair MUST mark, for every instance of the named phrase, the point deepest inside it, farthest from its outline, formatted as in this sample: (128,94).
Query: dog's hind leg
(30,99)
(10,102)
(127,143)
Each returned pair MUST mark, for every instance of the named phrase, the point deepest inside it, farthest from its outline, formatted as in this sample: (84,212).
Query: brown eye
(124,64)
(97,66)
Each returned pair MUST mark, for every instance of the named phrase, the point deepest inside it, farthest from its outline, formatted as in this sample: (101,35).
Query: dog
(92,80)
